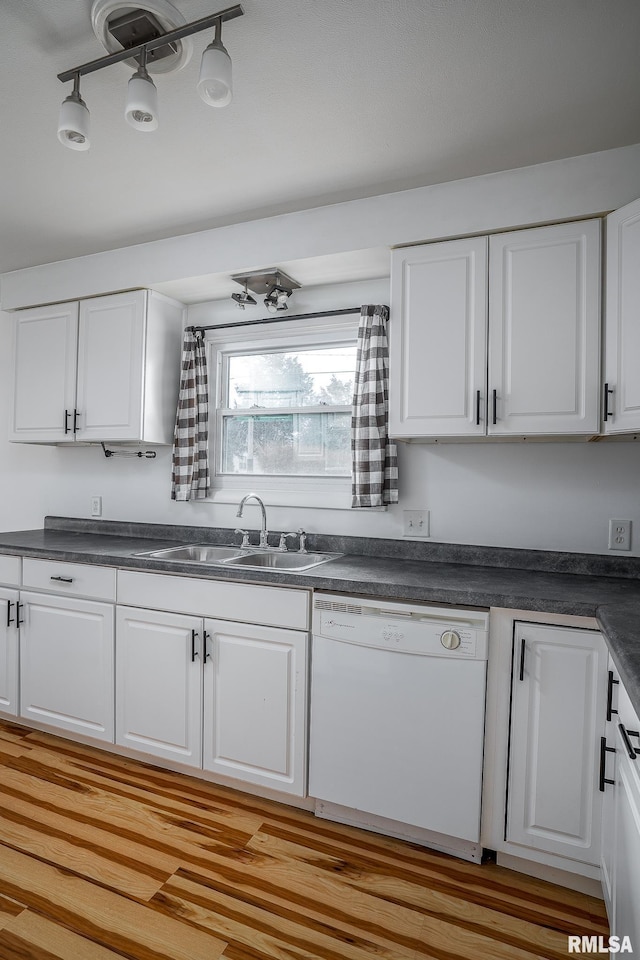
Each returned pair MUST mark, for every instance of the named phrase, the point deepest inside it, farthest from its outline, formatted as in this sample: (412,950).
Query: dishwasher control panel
(406,628)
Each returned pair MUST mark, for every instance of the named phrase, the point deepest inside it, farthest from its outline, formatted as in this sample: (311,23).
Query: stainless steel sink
(237,556)
(282,561)
(195,553)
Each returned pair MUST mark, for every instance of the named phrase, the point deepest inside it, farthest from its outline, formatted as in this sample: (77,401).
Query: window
(282,422)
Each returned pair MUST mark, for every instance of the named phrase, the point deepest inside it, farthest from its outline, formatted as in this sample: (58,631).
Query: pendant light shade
(141,109)
(214,85)
(73,123)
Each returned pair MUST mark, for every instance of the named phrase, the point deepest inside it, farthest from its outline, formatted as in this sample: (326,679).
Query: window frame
(297,491)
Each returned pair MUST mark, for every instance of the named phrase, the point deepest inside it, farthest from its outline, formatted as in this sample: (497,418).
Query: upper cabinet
(497,336)
(104,369)
(621,391)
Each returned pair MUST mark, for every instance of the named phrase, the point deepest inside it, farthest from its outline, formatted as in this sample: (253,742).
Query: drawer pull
(523,648)
(63,579)
(629,747)
(610,685)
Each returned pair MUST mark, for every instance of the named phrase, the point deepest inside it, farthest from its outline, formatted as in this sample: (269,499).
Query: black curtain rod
(297,316)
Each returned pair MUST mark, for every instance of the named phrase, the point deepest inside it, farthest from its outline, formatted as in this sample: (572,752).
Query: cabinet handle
(604,750)
(76,414)
(629,747)
(607,413)
(66,421)
(194,653)
(63,579)
(9,617)
(523,646)
(477,408)
(19,622)
(494,397)
(206,638)
(612,681)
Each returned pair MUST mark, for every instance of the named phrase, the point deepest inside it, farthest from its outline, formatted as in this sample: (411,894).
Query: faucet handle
(282,546)
(303,541)
(245,537)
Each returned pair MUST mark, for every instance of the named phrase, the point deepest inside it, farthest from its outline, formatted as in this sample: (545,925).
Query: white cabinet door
(622,321)
(66,664)
(626,910)
(437,339)
(110,367)
(8,652)
(607,778)
(558,710)
(255,705)
(544,330)
(44,383)
(159,684)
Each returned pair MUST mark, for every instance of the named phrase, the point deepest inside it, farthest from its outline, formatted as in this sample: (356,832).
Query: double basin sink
(240,557)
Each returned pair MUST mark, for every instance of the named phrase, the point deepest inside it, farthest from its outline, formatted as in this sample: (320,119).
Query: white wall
(540,495)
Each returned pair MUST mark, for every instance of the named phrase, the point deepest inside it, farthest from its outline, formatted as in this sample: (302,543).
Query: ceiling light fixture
(214,84)
(277,286)
(141,111)
(73,123)
(244,298)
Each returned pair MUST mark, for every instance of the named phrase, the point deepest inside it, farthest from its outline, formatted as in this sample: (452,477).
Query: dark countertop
(613,600)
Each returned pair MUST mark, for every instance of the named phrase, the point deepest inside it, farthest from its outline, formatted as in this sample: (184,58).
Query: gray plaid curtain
(190,464)
(374,456)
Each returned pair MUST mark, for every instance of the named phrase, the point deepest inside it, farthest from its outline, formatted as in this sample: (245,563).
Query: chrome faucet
(263,532)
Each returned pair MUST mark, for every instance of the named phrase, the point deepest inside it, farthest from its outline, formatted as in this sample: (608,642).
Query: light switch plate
(416,523)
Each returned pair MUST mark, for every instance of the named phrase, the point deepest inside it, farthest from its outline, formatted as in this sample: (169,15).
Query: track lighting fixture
(214,85)
(141,109)
(73,124)
(244,298)
(143,40)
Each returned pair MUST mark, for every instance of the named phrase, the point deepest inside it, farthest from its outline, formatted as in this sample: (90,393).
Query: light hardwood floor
(102,857)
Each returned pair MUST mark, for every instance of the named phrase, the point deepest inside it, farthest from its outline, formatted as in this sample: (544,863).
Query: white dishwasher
(397,719)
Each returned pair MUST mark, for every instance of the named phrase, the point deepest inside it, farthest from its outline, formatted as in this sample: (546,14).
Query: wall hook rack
(146,454)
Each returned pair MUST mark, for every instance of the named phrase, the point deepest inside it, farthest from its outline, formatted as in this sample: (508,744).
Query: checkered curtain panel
(374,456)
(190,465)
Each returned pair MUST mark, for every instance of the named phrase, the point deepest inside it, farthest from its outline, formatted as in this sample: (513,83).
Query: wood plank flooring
(104,858)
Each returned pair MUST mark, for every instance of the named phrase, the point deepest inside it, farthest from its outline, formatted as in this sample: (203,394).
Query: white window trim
(332,493)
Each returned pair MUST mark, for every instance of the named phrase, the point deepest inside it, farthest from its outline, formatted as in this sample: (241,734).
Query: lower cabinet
(253,689)
(255,704)
(557,715)
(66,664)
(620,781)
(159,684)
(9,652)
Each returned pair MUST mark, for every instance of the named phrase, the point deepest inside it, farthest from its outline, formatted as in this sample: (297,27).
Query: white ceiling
(333,100)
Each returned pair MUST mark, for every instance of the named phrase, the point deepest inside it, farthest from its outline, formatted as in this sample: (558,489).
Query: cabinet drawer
(74,579)
(10,570)
(244,602)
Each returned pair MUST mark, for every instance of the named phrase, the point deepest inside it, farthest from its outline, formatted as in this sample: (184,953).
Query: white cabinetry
(66,664)
(532,368)
(621,405)
(106,369)
(558,710)
(621,821)
(255,705)
(159,684)
(8,651)
(608,773)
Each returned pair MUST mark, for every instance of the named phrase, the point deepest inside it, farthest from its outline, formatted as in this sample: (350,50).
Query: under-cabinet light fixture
(144,43)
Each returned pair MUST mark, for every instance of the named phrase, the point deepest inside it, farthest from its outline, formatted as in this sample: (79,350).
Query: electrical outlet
(416,523)
(619,534)
(96,506)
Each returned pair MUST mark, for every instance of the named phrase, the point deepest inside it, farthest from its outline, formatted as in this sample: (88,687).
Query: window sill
(318,495)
